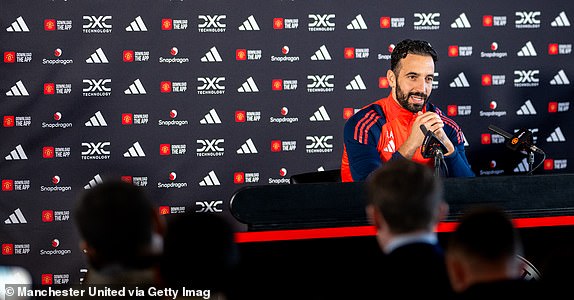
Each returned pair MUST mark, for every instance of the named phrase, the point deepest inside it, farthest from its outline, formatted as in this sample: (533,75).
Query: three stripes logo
(556,136)
(98,57)
(460,81)
(17,90)
(17,154)
(16,218)
(561,21)
(210,179)
(461,22)
(526,109)
(18,26)
(390,147)
(356,84)
(96,120)
(211,118)
(522,166)
(321,54)
(135,151)
(247,148)
(248,86)
(249,24)
(320,115)
(137,25)
(135,88)
(211,56)
(358,23)
(93,182)
(527,50)
(560,79)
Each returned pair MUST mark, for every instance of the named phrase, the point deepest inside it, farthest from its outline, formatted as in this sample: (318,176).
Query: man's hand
(433,123)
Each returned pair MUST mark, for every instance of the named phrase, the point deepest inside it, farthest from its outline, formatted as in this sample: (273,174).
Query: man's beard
(404,99)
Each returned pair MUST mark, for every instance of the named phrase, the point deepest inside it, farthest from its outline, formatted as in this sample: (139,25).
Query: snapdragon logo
(55,187)
(172,183)
(55,249)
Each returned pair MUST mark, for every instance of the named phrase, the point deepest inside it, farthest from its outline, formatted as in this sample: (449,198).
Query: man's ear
(392,79)
(374,216)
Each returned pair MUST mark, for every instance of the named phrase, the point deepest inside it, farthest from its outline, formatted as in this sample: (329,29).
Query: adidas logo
(320,169)
(210,179)
(556,136)
(248,86)
(17,90)
(527,50)
(247,148)
(95,181)
(96,120)
(460,81)
(357,24)
(97,57)
(466,144)
(137,25)
(18,26)
(16,218)
(522,166)
(356,84)
(526,109)
(17,154)
(461,22)
(135,151)
(135,88)
(249,24)
(561,21)
(560,79)
(320,115)
(211,118)
(390,147)
(321,54)
(211,56)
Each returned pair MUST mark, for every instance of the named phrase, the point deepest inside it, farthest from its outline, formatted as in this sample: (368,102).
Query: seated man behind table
(389,128)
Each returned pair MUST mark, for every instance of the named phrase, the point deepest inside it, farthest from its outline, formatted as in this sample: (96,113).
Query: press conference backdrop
(193,100)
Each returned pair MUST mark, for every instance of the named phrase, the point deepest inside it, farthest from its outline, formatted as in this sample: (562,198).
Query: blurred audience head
(117,224)
(483,248)
(405,197)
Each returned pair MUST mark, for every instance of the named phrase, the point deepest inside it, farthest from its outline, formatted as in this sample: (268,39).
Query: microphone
(431,144)
(521,140)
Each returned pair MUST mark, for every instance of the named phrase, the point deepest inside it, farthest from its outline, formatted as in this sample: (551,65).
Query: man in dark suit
(405,203)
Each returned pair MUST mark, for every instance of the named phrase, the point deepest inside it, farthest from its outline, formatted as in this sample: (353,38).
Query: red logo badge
(48,152)
(9,121)
(47,216)
(278,23)
(10,57)
(277,84)
(49,24)
(127,119)
(240,116)
(7,185)
(452,110)
(486,79)
(349,53)
(164,210)
(241,54)
(7,249)
(49,88)
(128,55)
(487,21)
(164,149)
(47,279)
(385,22)
(239,177)
(485,139)
(276,146)
(165,87)
(166,24)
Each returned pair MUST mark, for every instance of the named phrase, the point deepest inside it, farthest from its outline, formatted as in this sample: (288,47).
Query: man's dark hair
(486,234)
(408,46)
(115,218)
(407,194)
